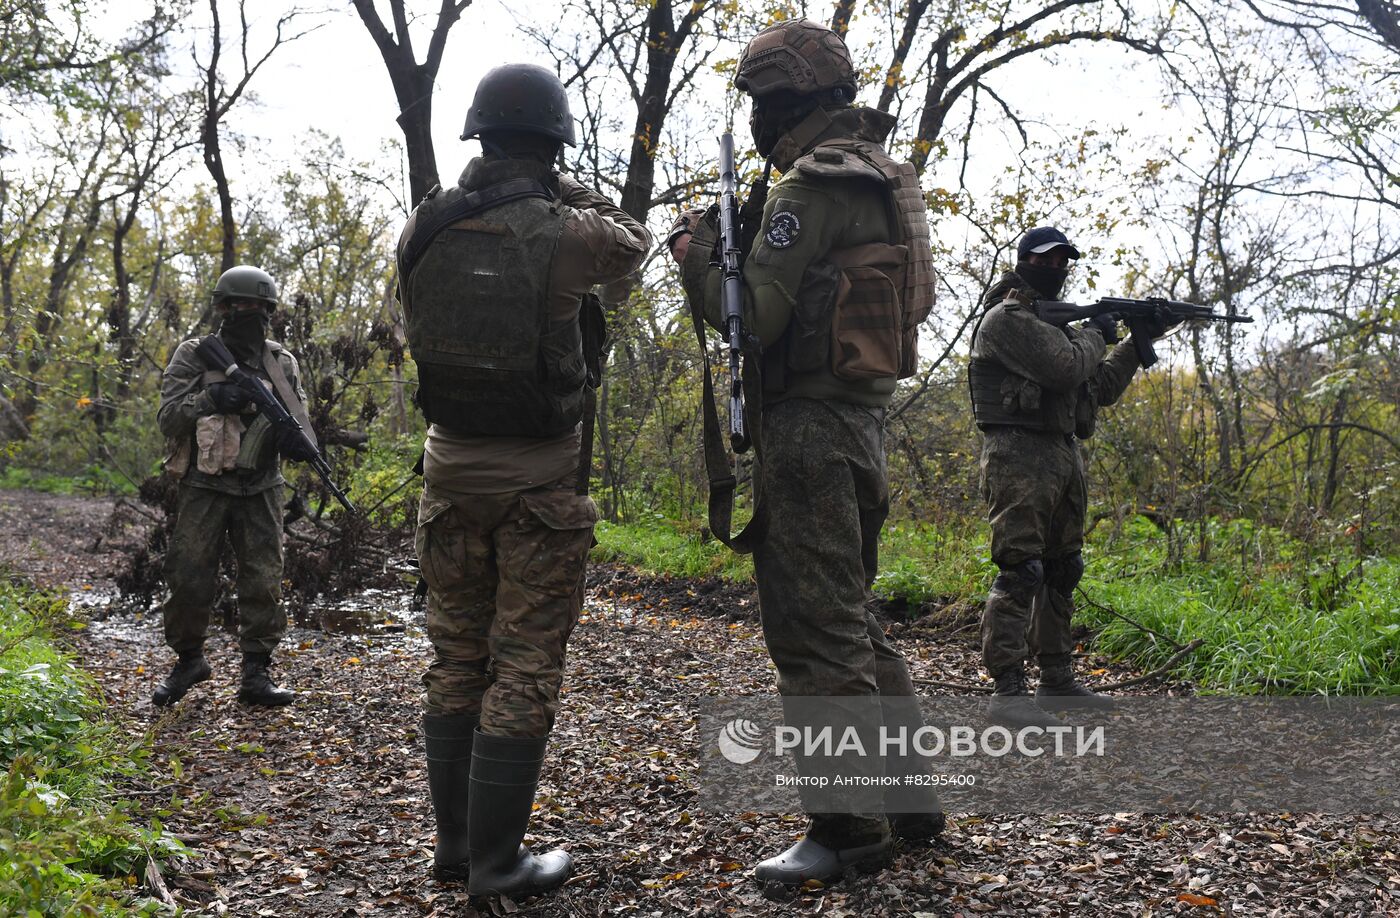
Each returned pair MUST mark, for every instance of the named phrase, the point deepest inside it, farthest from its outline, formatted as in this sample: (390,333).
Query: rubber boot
(825,854)
(505,773)
(1059,689)
(448,741)
(258,687)
(1011,704)
(190,670)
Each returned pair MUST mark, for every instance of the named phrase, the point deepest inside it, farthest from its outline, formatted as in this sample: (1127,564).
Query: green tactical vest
(476,303)
(1001,398)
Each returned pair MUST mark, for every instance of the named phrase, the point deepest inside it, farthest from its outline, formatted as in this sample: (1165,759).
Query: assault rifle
(216,356)
(1136,314)
(732,289)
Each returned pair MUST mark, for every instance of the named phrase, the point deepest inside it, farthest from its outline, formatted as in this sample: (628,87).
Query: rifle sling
(717,466)
(469,205)
(287,394)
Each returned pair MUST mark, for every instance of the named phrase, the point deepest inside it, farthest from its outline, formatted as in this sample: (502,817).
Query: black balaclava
(1048,281)
(774,115)
(243,331)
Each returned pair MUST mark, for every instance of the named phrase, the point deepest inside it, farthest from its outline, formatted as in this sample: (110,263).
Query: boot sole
(263,702)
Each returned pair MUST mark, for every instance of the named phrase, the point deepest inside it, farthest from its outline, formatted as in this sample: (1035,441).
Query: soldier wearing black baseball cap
(1036,391)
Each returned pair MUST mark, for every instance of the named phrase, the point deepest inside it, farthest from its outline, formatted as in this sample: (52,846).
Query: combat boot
(505,772)
(447,739)
(1060,689)
(1011,704)
(258,687)
(190,670)
(825,854)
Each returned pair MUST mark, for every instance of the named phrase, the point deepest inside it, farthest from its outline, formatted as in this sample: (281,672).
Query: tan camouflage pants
(1036,497)
(505,586)
(254,527)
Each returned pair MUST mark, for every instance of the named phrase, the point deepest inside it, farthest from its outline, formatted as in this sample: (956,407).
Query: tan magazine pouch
(867,323)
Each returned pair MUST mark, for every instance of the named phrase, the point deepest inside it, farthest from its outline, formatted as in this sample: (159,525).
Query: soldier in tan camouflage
(836,282)
(495,278)
(1036,392)
(230,484)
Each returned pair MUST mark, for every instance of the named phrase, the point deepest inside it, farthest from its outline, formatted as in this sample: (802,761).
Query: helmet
(521,97)
(797,56)
(245,282)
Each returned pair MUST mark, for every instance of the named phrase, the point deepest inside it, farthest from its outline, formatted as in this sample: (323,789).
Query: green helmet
(245,282)
(796,56)
(521,97)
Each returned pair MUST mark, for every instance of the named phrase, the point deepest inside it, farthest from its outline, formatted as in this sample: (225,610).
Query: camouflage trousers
(1036,497)
(254,528)
(505,586)
(824,489)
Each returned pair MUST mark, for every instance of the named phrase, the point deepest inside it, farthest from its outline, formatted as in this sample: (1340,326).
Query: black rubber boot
(448,741)
(190,670)
(1059,689)
(505,772)
(258,687)
(918,827)
(1011,704)
(825,854)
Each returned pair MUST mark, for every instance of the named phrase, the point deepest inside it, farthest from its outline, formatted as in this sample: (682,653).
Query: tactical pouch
(867,326)
(177,456)
(1086,413)
(217,440)
(807,341)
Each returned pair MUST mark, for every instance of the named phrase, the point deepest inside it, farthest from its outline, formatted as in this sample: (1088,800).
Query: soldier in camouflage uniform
(226,457)
(495,278)
(1036,391)
(837,279)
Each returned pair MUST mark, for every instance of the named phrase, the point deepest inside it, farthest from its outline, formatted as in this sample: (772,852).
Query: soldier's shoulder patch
(783,228)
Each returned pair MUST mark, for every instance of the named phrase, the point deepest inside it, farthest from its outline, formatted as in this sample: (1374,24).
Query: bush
(66,844)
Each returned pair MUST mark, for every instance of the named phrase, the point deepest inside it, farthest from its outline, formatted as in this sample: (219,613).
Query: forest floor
(321,808)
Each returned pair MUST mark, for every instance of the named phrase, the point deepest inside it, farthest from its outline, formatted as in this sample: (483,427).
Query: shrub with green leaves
(67,843)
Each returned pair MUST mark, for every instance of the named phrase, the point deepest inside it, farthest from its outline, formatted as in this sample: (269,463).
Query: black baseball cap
(1043,239)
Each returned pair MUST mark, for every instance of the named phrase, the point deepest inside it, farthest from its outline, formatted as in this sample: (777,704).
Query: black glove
(1162,319)
(228,398)
(1107,326)
(292,445)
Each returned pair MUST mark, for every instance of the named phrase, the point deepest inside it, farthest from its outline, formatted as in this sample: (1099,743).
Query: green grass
(67,842)
(95,480)
(665,547)
(1275,615)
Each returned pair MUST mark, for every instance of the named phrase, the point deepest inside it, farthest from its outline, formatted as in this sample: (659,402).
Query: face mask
(244,332)
(766,133)
(1047,281)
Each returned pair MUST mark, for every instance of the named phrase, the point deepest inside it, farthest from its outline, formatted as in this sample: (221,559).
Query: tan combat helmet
(797,56)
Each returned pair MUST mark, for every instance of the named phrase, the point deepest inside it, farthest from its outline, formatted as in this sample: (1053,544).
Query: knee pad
(1063,574)
(1021,581)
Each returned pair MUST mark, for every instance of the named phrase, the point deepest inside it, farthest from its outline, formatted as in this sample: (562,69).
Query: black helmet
(521,97)
(245,282)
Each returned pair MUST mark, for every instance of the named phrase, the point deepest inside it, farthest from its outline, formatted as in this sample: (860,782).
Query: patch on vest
(782,229)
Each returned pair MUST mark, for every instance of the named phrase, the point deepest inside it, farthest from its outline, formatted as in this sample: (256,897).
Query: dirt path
(321,809)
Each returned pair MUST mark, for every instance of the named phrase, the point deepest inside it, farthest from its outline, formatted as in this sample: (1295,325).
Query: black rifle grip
(1142,343)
